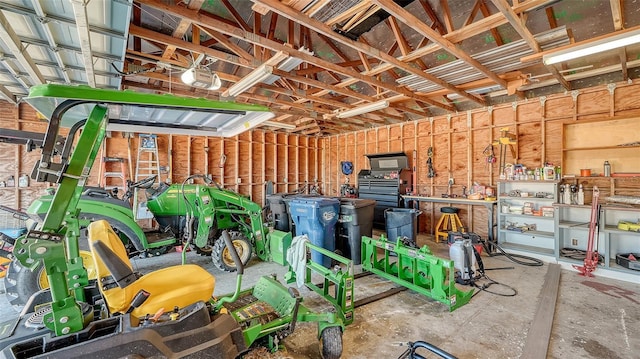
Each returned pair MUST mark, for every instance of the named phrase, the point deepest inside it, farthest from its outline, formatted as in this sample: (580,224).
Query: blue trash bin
(316,217)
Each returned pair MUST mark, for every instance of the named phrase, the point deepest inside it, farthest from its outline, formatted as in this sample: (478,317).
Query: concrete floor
(595,318)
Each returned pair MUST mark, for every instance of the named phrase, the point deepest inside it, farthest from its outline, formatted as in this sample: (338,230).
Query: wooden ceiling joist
(319,27)
(181,28)
(411,20)
(526,35)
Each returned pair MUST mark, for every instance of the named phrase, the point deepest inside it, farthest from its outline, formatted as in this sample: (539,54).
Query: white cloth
(297,257)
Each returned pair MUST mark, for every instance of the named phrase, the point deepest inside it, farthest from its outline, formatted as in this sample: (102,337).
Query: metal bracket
(611,87)
(416,269)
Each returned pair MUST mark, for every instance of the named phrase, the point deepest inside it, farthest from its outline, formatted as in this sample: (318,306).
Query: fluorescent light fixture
(287,64)
(374,106)
(284,126)
(244,123)
(201,78)
(593,47)
(254,77)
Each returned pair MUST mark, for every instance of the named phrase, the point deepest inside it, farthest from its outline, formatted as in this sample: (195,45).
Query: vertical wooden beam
(251,159)
(189,169)
(220,164)
(444,4)
(286,162)
(169,157)
(237,164)
(206,155)
(264,168)
(275,163)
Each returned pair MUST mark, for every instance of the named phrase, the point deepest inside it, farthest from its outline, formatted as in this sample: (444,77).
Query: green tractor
(182,211)
(124,314)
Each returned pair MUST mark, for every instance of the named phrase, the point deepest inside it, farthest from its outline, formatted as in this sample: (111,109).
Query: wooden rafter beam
(473,13)
(551,17)
(181,28)
(236,32)
(494,31)
(319,27)
(517,24)
(617,13)
(169,40)
(243,24)
(448,23)
(526,35)
(224,40)
(403,45)
(411,20)
(437,24)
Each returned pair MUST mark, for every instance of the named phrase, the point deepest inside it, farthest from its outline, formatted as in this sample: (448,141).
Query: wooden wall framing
(252,159)
(459,139)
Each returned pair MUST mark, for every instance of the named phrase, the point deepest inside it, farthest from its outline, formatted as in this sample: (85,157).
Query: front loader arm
(214,202)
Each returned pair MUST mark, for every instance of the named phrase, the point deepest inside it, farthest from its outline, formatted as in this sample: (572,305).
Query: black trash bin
(279,211)
(402,222)
(356,220)
(279,206)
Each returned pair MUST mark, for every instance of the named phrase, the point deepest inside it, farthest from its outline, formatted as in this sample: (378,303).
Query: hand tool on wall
(505,139)
(490,157)
(431,172)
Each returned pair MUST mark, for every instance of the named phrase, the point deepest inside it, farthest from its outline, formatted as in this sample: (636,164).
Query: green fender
(101,210)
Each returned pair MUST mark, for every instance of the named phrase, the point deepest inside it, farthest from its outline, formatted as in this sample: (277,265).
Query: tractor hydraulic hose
(236,259)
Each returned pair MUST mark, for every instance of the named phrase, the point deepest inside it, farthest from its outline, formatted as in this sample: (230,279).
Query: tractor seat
(169,287)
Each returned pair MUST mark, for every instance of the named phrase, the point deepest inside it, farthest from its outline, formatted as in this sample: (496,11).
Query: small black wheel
(222,258)
(331,343)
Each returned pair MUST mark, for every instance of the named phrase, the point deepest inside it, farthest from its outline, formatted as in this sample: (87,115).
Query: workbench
(490,205)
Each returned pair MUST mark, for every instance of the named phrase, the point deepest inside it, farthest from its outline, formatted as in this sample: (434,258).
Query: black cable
(524,260)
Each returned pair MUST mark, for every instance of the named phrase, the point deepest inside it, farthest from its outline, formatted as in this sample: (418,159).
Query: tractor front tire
(331,343)
(222,258)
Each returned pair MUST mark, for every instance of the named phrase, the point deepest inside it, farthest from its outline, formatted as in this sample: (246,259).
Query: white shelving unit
(618,241)
(540,240)
(572,222)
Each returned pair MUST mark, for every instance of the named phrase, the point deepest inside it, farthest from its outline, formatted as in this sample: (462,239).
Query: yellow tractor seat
(165,288)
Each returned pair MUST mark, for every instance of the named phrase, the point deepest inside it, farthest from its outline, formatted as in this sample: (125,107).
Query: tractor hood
(150,113)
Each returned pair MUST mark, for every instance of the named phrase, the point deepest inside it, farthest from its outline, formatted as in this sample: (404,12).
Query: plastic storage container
(316,217)
(356,220)
(402,222)
(279,205)
(278,211)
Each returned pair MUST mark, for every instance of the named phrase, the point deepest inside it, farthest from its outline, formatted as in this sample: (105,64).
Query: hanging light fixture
(374,106)
(201,78)
(254,77)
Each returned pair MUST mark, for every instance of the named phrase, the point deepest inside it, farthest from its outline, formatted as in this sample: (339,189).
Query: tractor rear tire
(331,343)
(222,258)
(20,283)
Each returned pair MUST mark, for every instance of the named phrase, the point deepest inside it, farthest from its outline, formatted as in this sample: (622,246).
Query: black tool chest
(388,178)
